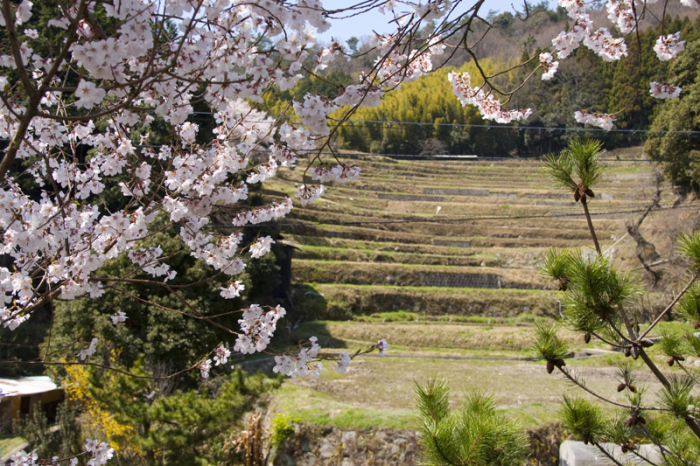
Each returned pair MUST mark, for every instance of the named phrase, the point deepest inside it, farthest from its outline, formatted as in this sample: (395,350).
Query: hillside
(456,293)
(460,237)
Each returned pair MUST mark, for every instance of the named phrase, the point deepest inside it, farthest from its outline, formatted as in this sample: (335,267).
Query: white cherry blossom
(101,452)
(488,105)
(382,346)
(343,362)
(601,120)
(257,328)
(664,91)
(221,355)
(233,290)
(309,194)
(260,247)
(119,317)
(89,95)
(23,458)
(548,65)
(204,368)
(304,364)
(668,47)
(89,351)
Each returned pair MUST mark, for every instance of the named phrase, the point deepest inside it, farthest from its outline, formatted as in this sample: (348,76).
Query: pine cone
(563,283)
(550,367)
(635,352)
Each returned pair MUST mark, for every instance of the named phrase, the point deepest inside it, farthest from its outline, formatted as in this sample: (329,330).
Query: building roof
(26,386)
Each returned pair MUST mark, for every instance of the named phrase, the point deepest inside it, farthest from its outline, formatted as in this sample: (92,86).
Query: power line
(549,129)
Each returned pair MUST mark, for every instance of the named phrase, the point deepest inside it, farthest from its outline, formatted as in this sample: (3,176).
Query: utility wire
(549,129)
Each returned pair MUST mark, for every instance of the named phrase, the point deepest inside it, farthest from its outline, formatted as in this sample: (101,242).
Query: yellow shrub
(77,391)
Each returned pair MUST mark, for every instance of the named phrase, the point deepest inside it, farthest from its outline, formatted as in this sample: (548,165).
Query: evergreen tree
(600,302)
(475,434)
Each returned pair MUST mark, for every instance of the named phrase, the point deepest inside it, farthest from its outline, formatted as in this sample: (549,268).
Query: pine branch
(605,452)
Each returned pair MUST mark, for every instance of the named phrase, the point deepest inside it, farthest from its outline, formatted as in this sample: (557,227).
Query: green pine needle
(555,263)
(671,343)
(689,304)
(689,245)
(583,419)
(576,165)
(677,397)
(475,434)
(547,344)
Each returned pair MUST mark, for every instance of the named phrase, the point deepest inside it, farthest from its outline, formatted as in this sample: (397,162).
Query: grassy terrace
(473,354)
(495,218)
(446,287)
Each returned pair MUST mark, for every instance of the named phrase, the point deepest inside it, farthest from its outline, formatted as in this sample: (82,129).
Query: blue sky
(363,25)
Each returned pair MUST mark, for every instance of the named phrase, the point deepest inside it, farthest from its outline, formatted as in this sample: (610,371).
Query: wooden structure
(284,262)
(23,395)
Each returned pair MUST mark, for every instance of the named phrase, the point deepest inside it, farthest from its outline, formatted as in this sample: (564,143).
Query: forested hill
(582,82)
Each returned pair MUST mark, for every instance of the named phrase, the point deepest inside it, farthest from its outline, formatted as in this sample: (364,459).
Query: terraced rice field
(449,237)
(455,290)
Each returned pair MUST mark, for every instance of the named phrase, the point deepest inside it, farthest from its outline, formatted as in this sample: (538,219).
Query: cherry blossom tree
(76,116)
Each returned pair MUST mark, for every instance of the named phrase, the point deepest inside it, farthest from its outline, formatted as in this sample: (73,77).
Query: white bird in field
(437,211)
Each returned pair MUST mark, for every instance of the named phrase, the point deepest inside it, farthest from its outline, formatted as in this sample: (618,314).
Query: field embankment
(441,259)
(455,237)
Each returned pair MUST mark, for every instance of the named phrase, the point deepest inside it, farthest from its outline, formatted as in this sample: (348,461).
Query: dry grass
(379,391)
(364,273)
(345,301)
(373,255)
(412,336)
(389,242)
(362,232)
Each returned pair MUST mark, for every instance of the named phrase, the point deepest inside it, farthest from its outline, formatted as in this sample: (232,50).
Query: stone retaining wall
(321,446)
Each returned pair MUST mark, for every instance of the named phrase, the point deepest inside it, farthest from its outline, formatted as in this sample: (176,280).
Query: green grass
(433,288)
(343,302)
(7,443)
(410,336)
(321,409)
(395,316)
(378,392)
(404,316)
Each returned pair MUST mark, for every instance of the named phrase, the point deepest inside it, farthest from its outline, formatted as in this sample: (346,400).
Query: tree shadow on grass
(301,322)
